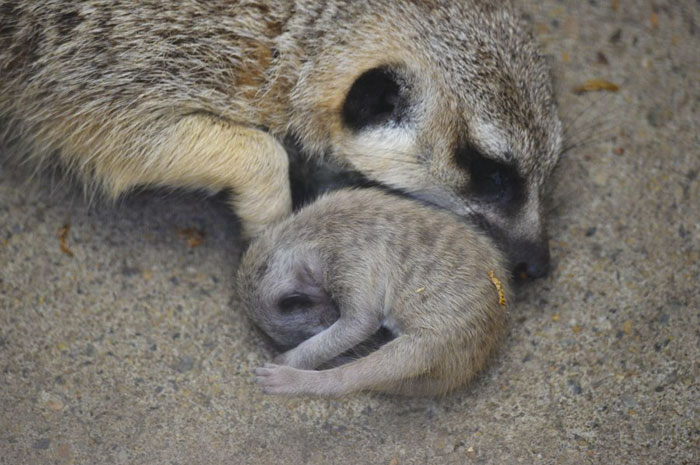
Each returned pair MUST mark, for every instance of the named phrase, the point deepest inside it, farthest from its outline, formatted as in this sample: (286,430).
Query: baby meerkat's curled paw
(277,379)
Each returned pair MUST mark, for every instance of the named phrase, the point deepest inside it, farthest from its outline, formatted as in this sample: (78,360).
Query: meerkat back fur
(448,101)
(329,277)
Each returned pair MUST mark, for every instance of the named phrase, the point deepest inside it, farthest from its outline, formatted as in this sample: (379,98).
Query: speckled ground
(128,351)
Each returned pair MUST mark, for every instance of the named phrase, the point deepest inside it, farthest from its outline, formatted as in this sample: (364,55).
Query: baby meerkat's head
(451,103)
(281,291)
(294,317)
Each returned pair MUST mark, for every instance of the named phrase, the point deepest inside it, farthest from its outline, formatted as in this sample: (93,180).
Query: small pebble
(56,406)
(575,387)
(601,59)
(627,327)
(616,36)
(89,350)
(130,271)
(658,116)
(42,444)
(185,364)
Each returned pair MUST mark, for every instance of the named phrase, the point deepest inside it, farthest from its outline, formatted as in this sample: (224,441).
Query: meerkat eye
(373,99)
(294,302)
(490,179)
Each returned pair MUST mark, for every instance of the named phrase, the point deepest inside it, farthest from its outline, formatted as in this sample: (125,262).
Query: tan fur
(118,92)
(328,278)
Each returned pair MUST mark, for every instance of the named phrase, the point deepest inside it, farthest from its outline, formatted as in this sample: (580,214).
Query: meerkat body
(446,101)
(329,277)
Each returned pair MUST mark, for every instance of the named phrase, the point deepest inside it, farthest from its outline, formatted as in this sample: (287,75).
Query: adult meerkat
(328,278)
(447,101)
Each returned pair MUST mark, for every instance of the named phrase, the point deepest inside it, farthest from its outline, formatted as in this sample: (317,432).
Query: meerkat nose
(538,269)
(532,262)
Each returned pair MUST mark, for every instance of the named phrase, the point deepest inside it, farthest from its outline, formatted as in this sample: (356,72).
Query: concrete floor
(129,352)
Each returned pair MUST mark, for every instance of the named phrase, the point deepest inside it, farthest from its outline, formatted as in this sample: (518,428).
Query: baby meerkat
(331,276)
(448,101)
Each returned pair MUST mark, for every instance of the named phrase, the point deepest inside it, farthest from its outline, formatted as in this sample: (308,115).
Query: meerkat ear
(374,98)
(308,274)
(306,288)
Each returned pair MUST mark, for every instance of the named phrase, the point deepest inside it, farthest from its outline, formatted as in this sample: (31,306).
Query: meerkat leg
(341,336)
(203,152)
(419,386)
(405,357)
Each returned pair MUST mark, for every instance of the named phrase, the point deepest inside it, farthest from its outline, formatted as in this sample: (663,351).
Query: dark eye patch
(373,99)
(294,302)
(490,180)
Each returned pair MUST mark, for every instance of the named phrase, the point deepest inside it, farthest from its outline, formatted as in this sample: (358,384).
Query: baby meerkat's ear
(374,98)
(307,290)
(308,273)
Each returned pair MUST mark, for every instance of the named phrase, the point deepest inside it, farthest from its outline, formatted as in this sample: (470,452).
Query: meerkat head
(282,292)
(448,102)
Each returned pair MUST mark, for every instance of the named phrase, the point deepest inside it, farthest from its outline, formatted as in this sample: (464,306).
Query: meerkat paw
(277,379)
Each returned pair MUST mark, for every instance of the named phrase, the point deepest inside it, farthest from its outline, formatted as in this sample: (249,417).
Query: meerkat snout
(530,261)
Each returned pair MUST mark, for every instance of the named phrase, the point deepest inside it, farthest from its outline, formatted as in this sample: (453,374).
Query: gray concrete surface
(128,351)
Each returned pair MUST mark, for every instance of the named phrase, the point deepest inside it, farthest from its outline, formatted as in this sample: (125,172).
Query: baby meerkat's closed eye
(294,302)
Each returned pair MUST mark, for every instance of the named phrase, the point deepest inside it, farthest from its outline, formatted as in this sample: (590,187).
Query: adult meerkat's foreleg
(408,356)
(203,152)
